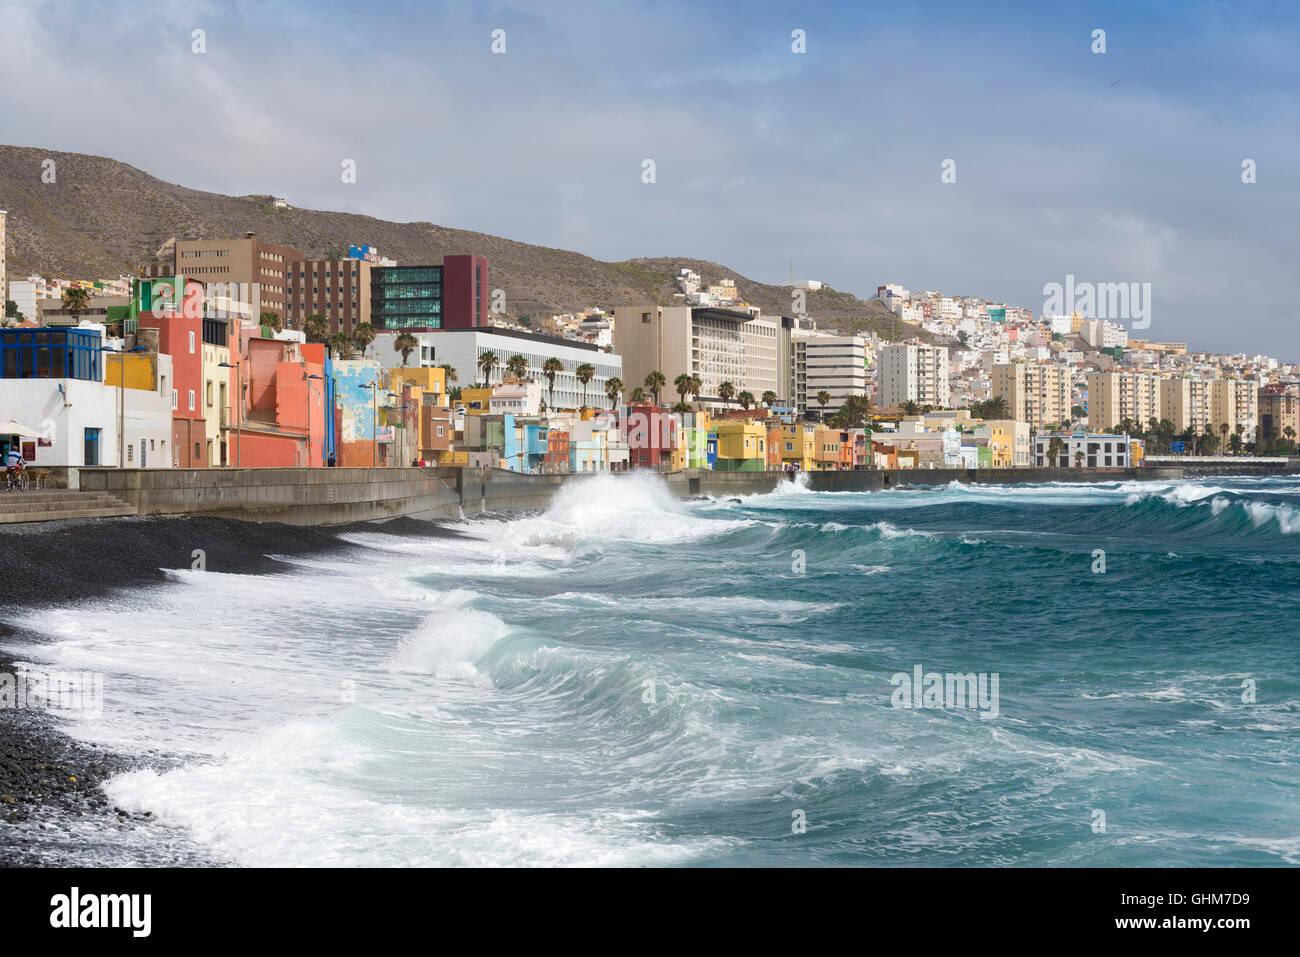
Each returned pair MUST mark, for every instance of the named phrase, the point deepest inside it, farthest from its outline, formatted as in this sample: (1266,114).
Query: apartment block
(262,267)
(1235,402)
(1186,403)
(339,290)
(1116,396)
(1278,410)
(718,345)
(836,365)
(1036,393)
(914,373)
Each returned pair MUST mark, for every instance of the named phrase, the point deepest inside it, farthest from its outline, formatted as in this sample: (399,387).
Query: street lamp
(121,393)
(239,398)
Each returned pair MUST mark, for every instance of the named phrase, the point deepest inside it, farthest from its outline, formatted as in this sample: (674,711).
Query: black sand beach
(50,784)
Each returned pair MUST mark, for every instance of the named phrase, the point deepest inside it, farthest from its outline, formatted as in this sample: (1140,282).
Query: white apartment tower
(913,373)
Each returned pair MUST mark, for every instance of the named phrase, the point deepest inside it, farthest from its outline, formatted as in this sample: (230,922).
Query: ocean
(629,679)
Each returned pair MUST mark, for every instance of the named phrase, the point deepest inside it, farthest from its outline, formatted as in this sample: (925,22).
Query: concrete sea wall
(342,495)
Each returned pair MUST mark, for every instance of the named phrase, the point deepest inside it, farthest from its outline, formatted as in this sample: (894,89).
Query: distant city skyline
(1115,167)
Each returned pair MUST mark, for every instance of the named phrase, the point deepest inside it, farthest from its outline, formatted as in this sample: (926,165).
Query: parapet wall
(306,496)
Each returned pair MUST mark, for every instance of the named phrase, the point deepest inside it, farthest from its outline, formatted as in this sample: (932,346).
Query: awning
(14,427)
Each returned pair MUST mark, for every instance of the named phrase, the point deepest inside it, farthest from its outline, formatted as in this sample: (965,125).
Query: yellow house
(743,444)
(476,401)
(216,397)
(799,445)
(1008,443)
(432,381)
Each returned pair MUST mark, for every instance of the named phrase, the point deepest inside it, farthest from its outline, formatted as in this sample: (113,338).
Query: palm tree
(1223,443)
(823,397)
(636,395)
(612,389)
(654,383)
(683,385)
(696,385)
(551,368)
(909,407)
(769,398)
(405,343)
(449,372)
(726,392)
(746,399)
(682,408)
(272,321)
(517,366)
(316,328)
(341,343)
(75,301)
(1078,459)
(363,335)
(584,374)
(1054,448)
(486,363)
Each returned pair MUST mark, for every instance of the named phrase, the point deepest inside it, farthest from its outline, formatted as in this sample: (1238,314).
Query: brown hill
(103,218)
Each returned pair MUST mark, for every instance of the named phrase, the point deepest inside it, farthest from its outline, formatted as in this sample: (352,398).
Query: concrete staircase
(47,505)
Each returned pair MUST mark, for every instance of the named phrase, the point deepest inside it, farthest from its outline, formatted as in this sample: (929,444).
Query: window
(191,342)
(191,400)
(209,393)
(175,404)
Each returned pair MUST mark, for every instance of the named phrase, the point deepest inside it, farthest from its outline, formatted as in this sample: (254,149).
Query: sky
(1119,166)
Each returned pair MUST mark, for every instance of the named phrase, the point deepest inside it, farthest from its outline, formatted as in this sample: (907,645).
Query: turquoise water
(628,679)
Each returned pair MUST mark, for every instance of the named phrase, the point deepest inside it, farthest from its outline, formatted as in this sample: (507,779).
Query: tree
(551,368)
(363,335)
(1078,459)
(683,386)
(449,372)
(696,385)
(746,399)
(909,407)
(769,398)
(612,389)
(341,343)
(1054,449)
(823,397)
(637,395)
(11,309)
(682,408)
(654,383)
(272,321)
(1223,443)
(316,328)
(517,366)
(853,414)
(405,343)
(584,374)
(75,301)
(726,392)
(486,363)
(1078,412)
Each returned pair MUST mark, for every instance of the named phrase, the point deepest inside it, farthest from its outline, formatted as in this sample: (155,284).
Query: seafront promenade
(323,497)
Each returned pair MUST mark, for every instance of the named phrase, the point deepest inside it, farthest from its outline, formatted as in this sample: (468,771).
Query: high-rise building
(914,373)
(1116,396)
(4,288)
(1186,403)
(453,295)
(836,365)
(1278,410)
(339,290)
(717,345)
(1037,393)
(259,266)
(1235,402)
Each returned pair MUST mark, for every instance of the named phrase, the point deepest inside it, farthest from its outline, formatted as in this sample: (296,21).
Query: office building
(453,295)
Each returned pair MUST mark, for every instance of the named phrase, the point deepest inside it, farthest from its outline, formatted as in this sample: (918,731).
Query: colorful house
(742,446)
(798,446)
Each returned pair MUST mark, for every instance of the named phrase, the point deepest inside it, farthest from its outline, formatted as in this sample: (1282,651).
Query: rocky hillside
(105,218)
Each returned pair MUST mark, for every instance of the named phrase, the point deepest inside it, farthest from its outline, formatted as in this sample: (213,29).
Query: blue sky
(1115,167)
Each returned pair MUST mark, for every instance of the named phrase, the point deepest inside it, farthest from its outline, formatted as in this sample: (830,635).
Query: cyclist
(13,468)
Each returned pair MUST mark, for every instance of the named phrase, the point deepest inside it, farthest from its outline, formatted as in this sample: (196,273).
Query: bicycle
(15,480)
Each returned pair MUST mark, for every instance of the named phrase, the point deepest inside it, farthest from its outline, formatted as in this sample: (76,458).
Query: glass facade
(50,354)
(406,297)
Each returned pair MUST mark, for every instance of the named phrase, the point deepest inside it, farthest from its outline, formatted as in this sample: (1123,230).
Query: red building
(651,435)
(180,335)
(465,292)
